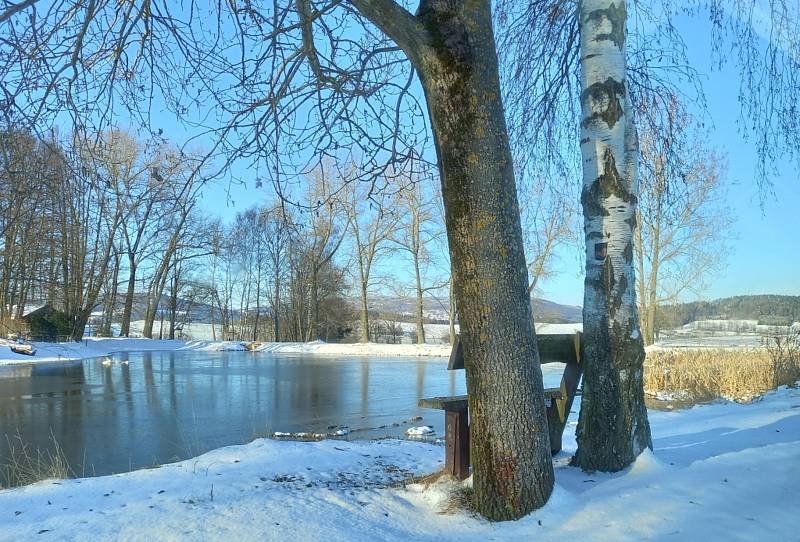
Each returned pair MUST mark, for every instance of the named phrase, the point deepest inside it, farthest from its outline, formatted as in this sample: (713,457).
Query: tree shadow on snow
(687,448)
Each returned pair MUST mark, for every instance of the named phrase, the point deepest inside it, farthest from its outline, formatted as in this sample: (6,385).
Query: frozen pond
(164,406)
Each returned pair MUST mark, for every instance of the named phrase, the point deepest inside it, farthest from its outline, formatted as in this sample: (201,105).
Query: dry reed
(701,375)
(25,466)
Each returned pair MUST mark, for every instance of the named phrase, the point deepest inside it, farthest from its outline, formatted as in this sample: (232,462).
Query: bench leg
(558,411)
(456,457)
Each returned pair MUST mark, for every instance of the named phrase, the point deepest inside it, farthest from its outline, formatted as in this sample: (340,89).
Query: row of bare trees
(83,214)
(108,229)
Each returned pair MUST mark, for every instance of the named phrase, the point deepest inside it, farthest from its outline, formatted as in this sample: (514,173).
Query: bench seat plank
(455,403)
(459,402)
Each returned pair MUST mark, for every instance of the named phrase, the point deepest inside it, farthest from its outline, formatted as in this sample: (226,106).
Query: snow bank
(94,348)
(420,431)
(719,472)
(358,349)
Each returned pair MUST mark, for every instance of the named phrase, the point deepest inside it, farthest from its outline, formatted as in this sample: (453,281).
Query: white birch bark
(613,427)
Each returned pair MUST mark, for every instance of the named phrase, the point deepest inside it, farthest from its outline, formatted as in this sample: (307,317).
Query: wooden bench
(553,348)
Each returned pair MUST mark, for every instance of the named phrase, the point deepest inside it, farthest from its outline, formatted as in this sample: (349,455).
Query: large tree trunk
(80,320)
(451,320)
(509,447)
(612,428)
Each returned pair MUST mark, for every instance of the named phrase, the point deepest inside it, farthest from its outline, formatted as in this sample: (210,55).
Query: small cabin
(47,324)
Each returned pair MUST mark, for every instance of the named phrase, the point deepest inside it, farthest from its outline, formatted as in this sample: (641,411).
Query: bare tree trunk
(108,317)
(213,324)
(277,306)
(420,314)
(129,293)
(258,304)
(364,313)
(313,324)
(509,447)
(641,289)
(173,300)
(613,428)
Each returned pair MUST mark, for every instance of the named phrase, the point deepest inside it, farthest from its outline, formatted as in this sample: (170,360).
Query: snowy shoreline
(710,461)
(95,348)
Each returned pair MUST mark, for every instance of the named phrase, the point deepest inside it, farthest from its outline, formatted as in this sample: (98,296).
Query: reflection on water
(157,407)
(152,408)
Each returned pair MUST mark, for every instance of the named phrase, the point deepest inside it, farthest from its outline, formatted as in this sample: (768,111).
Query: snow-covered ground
(719,472)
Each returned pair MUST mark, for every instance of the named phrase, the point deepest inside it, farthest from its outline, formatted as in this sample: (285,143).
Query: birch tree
(612,427)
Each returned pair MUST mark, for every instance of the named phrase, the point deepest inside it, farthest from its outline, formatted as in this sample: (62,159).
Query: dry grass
(701,375)
(26,466)
(456,494)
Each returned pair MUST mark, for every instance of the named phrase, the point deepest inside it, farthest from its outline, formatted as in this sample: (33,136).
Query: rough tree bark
(612,428)
(451,44)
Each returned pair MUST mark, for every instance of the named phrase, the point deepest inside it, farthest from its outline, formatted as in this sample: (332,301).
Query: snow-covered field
(719,472)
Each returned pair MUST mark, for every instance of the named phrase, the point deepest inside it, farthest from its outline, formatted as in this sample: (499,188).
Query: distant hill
(436,309)
(767,309)
(555,313)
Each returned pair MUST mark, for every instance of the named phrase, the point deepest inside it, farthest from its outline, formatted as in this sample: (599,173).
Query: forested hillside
(767,309)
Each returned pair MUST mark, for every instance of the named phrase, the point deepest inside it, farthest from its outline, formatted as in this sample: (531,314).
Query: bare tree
(547,214)
(126,157)
(183,197)
(324,230)
(279,231)
(373,224)
(683,224)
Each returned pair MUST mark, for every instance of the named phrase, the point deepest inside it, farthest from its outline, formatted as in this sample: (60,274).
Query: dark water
(165,406)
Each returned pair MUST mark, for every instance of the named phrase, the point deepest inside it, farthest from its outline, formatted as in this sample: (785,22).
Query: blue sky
(765,256)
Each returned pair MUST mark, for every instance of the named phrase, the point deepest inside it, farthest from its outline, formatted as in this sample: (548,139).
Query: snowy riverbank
(721,471)
(92,348)
(358,349)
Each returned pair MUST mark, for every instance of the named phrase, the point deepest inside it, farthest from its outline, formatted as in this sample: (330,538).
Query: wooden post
(456,458)
(558,410)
